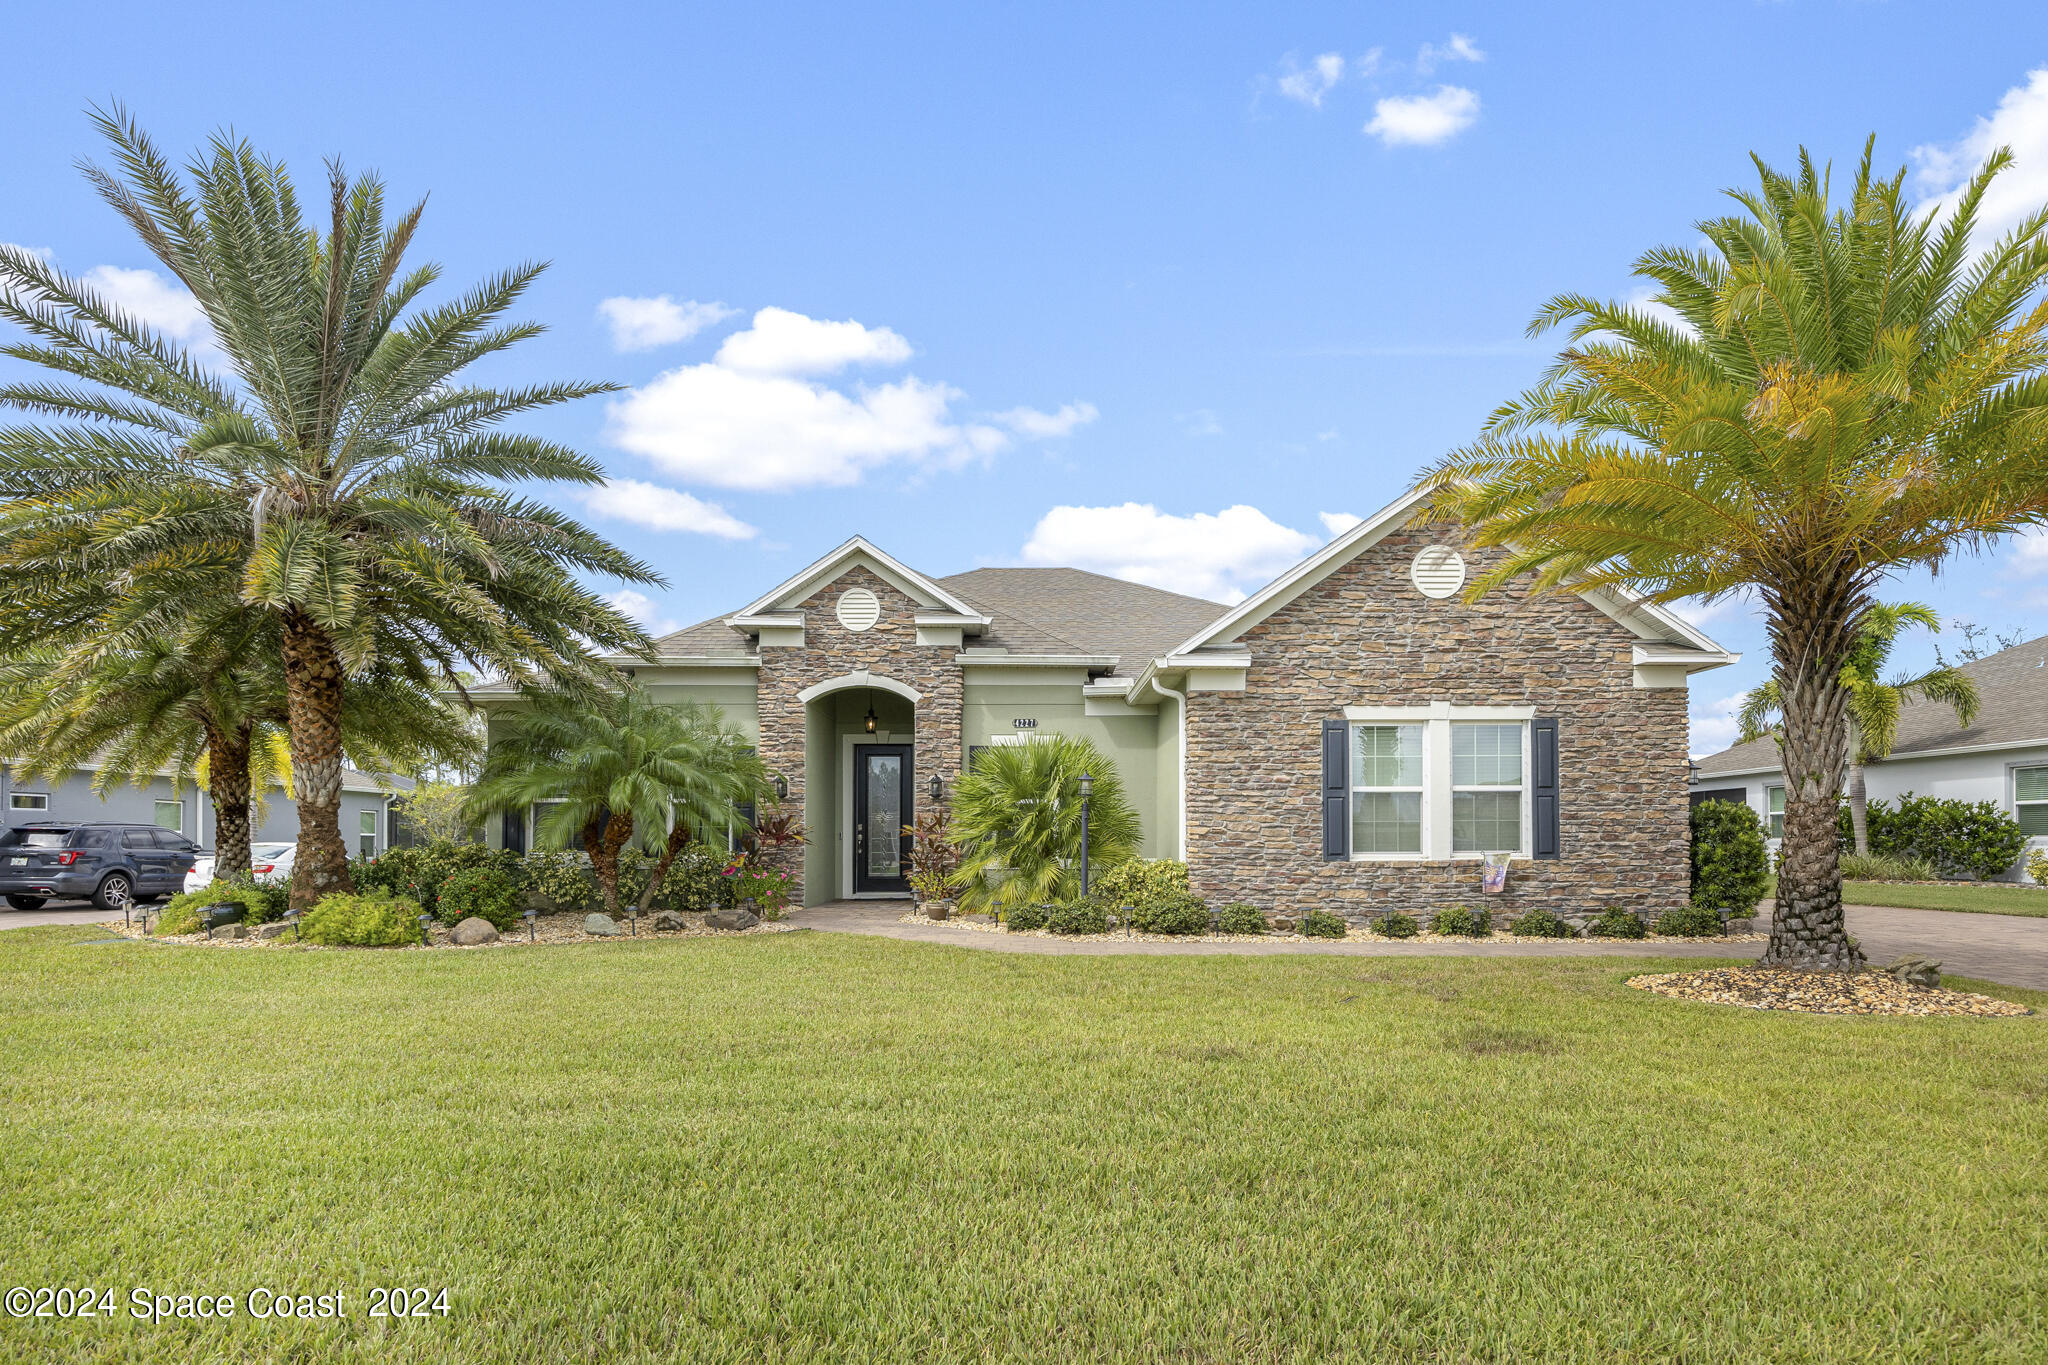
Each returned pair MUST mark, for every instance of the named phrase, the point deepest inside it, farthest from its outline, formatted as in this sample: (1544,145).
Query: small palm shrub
(484,892)
(1024,919)
(1081,917)
(1730,866)
(1541,924)
(1691,921)
(1396,925)
(1323,924)
(1239,918)
(1887,867)
(1017,822)
(1462,922)
(376,920)
(180,914)
(1177,914)
(1615,922)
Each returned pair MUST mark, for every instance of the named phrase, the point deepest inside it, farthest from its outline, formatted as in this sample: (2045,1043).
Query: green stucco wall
(1132,742)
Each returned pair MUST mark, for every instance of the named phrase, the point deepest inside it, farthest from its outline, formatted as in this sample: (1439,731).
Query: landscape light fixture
(426,931)
(291,918)
(1087,790)
(531,915)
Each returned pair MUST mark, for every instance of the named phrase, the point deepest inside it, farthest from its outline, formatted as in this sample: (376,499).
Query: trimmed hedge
(485,892)
(418,873)
(1174,914)
(1323,924)
(1023,919)
(1082,917)
(1541,924)
(1239,918)
(1462,922)
(1141,883)
(1615,922)
(1730,861)
(1972,839)
(1396,925)
(376,920)
(1691,922)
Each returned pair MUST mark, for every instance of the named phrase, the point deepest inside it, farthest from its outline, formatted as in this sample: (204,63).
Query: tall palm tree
(1848,390)
(334,460)
(1017,821)
(1874,704)
(619,769)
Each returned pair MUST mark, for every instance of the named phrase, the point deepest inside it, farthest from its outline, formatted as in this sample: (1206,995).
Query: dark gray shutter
(1543,786)
(1336,790)
(515,831)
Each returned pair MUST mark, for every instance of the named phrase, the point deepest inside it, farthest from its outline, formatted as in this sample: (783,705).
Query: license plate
(17,862)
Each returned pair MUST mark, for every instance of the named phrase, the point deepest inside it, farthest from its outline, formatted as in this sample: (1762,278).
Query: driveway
(2003,948)
(60,912)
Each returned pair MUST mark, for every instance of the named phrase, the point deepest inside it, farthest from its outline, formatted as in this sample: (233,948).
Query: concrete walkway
(2003,948)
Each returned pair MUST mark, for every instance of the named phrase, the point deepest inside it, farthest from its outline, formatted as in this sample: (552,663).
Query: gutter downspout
(1180,812)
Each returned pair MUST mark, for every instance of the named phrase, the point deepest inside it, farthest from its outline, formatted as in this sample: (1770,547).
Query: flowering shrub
(765,886)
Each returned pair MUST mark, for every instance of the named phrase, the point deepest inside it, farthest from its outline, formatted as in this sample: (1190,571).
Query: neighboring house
(366,815)
(1353,736)
(2002,758)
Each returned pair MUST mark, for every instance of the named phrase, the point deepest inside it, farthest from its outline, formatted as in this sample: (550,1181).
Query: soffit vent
(859,609)
(1438,571)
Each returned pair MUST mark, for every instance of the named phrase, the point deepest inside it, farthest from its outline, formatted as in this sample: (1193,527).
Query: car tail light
(66,859)
(265,869)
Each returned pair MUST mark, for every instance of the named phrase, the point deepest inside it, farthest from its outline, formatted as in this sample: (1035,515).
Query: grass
(1977,898)
(821,1147)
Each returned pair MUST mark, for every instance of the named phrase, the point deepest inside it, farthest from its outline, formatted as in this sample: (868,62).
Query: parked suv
(115,865)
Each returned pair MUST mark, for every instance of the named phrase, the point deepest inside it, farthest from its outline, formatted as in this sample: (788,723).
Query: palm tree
(1874,704)
(1848,391)
(619,768)
(1017,822)
(338,467)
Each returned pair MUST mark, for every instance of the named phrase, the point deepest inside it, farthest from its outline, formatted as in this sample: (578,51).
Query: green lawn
(812,1147)
(1981,898)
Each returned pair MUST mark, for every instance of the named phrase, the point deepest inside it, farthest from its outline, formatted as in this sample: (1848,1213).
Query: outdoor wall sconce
(531,915)
(781,787)
(936,788)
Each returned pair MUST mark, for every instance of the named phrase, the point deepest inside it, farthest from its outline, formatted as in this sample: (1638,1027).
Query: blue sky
(1160,290)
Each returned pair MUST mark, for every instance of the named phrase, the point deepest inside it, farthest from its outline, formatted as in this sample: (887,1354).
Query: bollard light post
(1087,790)
(291,919)
(426,930)
(531,915)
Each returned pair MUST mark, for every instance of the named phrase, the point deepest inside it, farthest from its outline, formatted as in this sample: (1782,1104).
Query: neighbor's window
(1486,787)
(28,800)
(170,815)
(366,839)
(1774,809)
(1386,789)
(2030,799)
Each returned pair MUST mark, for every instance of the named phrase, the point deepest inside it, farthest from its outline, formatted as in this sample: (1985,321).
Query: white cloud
(664,509)
(643,324)
(784,343)
(153,300)
(1046,426)
(643,609)
(1200,422)
(2029,557)
(2021,123)
(756,417)
(1714,725)
(1368,63)
(1337,523)
(1458,49)
(1424,120)
(1310,83)
(1218,556)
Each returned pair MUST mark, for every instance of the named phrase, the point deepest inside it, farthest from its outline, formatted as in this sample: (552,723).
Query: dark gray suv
(114,865)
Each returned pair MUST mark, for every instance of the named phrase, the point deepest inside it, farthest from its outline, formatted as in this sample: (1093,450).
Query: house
(367,820)
(2002,757)
(1353,736)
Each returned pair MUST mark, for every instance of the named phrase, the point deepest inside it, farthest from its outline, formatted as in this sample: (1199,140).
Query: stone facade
(1365,636)
(889,649)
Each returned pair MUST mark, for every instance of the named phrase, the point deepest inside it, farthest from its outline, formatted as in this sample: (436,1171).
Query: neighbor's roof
(1089,611)
(2012,691)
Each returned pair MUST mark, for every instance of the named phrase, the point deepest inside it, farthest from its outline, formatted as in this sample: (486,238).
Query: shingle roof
(2012,690)
(1093,613)
(712,639)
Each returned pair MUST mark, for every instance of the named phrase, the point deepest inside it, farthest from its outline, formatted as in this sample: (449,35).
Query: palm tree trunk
(227,763)
(1859,811)
(678,836)
(313,683)
(603,844)
(1813,627)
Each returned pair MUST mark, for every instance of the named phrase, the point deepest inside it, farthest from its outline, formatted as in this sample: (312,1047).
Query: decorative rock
(1914,970)
(731,919)
(473,931)
(1741,926)
(1281,924)
(232,931)
(277,928)
(604,926)
(668,921)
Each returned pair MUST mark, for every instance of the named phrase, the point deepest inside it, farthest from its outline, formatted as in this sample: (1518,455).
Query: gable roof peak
(857,551)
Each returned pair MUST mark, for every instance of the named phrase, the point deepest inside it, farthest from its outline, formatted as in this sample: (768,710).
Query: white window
(1386,788)
(1439,781)
(1774,811)
(2030,800)
(1486,786)
(170,815)
(366,838)
(28,800)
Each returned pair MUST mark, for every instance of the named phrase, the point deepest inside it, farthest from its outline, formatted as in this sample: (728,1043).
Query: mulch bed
(1776,988)
(547,929)
(1352,934)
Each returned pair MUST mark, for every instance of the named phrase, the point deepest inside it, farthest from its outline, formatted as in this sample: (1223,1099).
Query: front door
(881,808)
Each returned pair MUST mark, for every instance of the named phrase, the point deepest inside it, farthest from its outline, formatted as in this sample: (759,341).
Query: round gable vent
(1438,571)
(859,609)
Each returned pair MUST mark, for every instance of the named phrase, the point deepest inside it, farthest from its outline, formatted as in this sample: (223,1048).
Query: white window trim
(165,801)
(2012,786)
(1525,834)
(1436,718)
(43,797)
(1770,787)
(1378,856)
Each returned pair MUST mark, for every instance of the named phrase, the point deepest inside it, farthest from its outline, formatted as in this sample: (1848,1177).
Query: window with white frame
(28,800)
(2030,800)
(1386,788)
(1774,811)
(1486,786)
(170,815)
(366,834)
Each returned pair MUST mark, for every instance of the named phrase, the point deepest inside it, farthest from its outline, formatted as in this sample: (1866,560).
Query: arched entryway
(862,779)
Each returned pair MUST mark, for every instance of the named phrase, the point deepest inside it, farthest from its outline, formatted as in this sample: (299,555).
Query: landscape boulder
(668,921)
(604,926)
(473,931)
(1914,970)
(731,919)
(277,928)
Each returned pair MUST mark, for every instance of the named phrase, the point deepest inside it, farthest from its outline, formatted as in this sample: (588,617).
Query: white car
(270,863)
